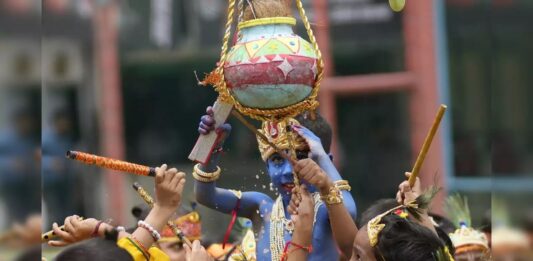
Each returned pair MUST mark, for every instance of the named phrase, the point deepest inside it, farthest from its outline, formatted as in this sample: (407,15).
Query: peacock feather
(458,210)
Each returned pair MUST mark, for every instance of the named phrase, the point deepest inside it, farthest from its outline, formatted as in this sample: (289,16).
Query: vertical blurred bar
(20,104)
(443,76)
(421,59)
(110,97)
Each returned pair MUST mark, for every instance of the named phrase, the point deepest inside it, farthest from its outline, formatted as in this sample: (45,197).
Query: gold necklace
(278,225)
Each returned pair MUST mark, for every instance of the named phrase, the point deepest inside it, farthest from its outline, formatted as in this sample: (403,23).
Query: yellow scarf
(154,253)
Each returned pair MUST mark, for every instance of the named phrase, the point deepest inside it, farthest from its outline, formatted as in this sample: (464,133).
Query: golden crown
(280,134)
(467,236)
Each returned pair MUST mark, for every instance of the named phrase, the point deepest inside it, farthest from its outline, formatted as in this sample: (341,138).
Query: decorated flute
(426,145)
(51,234)
(109,163)
(150,202)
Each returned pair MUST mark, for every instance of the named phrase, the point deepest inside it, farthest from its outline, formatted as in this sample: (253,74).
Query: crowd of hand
(169,184)
(316,171)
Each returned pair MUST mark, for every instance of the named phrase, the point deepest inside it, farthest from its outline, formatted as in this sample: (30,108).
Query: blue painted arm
(324,161)
(225,201)
(220,199)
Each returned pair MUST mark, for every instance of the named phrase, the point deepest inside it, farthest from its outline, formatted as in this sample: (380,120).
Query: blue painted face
(280,172)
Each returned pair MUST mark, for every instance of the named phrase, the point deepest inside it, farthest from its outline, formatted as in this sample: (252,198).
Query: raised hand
(315,144)
(303,210)
(76,230)
(308,170)
(197,252)
(168,187)
(26,234)
(302,218)
(207,122)
(207,125)
(407,193)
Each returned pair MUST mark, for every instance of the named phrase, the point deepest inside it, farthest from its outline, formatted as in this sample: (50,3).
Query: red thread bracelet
(143,248)
(309,249)
(95,232)
(232,222)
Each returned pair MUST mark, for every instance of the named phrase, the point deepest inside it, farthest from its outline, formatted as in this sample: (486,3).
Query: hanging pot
(270,67)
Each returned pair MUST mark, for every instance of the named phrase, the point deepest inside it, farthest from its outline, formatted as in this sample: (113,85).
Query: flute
(150,202)
(110,163)
(426,145)
(51,234)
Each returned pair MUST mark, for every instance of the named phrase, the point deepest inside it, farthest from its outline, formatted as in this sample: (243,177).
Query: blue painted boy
(333,230)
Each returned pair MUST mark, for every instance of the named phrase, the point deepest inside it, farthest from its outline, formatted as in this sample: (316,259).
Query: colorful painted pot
(270,67)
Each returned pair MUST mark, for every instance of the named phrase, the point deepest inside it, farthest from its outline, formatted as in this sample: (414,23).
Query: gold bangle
(334,196)
(204,179)
(204,174)
(343,185)
(341,182)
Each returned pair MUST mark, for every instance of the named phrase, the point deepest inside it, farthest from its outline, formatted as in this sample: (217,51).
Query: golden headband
(281,134)
(374,228)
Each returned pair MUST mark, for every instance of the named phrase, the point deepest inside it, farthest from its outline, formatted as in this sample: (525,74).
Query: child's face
(174,250)
(472,256)
(281,172)
(362,251)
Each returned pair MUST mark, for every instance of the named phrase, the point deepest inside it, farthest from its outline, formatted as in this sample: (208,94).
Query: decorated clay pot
(270,67)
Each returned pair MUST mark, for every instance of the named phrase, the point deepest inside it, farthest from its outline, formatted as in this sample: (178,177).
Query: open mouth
(288,186)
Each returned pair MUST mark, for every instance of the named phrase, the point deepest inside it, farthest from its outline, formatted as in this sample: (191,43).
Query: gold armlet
(203,176)
(343,185)
(237,193)
(334,196)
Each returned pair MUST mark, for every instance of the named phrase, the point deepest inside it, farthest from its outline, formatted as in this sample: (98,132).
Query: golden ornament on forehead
(279,133)
(374,226)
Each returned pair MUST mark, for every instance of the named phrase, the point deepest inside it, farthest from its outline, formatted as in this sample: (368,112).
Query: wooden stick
(426,145)
(150,202)
(251,127)
(110,163)
(201,152)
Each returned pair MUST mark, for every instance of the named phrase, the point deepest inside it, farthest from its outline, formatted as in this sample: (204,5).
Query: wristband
(95,232)
(155,235)
(284,257)
(334,196)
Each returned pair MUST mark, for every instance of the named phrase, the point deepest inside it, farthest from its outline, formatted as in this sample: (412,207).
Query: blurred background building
(119,81)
